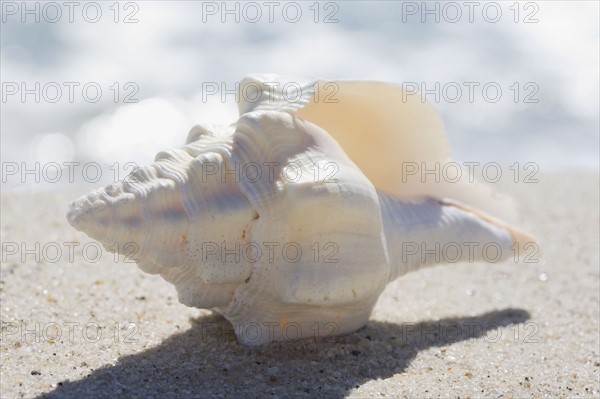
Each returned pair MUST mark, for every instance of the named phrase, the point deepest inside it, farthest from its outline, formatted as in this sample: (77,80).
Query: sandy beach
(78,323)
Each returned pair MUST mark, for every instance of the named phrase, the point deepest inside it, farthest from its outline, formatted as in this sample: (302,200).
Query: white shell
(275,225)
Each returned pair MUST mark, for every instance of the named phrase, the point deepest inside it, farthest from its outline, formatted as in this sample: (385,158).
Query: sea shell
(291,221)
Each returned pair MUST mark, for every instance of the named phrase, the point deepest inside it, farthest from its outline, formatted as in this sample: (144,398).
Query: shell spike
(431,231)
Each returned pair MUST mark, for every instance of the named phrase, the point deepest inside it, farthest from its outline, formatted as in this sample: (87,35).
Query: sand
(87,327)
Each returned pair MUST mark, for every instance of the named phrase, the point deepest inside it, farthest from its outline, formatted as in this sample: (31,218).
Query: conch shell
(293,219)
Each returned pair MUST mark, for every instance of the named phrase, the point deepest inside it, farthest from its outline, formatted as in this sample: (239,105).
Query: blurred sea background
(169,56)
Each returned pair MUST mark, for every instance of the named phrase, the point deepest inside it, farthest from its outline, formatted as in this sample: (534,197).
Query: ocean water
(92,89)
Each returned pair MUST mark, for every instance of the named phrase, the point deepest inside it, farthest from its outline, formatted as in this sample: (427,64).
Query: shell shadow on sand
(206,360)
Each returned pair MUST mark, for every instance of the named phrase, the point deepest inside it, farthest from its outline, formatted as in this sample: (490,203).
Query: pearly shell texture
(296,214)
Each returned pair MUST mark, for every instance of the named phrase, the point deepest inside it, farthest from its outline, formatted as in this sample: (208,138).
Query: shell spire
(295,216)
